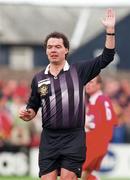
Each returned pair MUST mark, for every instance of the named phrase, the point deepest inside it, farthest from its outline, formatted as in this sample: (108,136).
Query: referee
(58,90)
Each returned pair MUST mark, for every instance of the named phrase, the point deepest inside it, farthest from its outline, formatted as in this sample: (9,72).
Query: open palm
(109,20)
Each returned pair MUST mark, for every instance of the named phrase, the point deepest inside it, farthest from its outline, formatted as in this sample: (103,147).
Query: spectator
(5,120)
(100,121)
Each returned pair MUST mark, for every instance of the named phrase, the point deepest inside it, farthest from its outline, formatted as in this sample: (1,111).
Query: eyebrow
(54,45)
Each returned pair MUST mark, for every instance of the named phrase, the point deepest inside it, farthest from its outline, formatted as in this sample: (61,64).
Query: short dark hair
(57,35)
(100,81)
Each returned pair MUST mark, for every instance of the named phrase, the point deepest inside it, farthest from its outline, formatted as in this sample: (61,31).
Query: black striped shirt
(62,97)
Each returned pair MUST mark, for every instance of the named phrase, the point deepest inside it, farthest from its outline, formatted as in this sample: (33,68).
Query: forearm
(106,57)
(110,39)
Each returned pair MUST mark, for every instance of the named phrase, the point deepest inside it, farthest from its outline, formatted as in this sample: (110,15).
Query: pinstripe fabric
(75,80)
(65,100)
(62,107)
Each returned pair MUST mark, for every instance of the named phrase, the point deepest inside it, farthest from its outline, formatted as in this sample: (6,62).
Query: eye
(49,47)
(58,46)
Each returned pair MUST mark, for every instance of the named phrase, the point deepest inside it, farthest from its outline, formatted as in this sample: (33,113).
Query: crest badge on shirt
(43,87)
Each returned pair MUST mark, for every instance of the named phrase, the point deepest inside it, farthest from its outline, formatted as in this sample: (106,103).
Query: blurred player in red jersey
(100,120)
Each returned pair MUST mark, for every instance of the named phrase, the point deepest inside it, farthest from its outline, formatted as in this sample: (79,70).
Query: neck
(56,68)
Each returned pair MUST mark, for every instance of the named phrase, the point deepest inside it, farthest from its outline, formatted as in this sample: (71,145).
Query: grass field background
(30,178)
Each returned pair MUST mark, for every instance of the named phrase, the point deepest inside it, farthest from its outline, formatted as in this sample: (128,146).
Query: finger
(29,111)
(102,20)
(110,13)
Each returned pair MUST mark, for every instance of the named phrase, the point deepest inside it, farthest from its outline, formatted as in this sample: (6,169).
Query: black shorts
(62,149)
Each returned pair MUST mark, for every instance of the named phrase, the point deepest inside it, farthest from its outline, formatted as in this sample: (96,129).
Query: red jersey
(104,118)
(5,124)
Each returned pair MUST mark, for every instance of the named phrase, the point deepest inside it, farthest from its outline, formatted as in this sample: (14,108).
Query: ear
(45,51)
(66,50)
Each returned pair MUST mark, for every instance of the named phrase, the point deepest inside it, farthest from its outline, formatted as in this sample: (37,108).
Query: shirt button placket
(55,77)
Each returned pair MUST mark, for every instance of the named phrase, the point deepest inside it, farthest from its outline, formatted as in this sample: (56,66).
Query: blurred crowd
(14,131)
(14,95)
(119,92)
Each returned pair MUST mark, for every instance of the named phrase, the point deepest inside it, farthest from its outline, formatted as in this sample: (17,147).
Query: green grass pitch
(30,178)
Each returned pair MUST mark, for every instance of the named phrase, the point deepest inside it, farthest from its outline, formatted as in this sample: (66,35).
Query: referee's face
(56,51)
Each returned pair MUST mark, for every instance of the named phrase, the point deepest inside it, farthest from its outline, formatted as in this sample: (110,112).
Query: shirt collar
(65,68)
(94,97)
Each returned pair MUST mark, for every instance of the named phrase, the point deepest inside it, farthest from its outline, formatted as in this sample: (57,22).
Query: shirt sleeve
(89,69)
(34,101)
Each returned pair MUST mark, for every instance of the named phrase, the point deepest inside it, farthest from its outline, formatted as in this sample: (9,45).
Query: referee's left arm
(87,70)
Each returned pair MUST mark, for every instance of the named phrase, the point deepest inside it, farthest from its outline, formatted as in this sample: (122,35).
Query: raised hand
(109,20)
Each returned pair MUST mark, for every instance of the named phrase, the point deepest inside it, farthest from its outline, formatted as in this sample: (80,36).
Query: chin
(54,61)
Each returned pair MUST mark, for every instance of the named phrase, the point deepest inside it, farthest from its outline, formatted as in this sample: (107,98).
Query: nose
(53,49)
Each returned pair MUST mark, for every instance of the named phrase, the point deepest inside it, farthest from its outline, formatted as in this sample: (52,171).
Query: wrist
(110,30)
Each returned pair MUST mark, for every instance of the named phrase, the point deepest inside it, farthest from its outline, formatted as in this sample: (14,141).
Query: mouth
(54,56)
